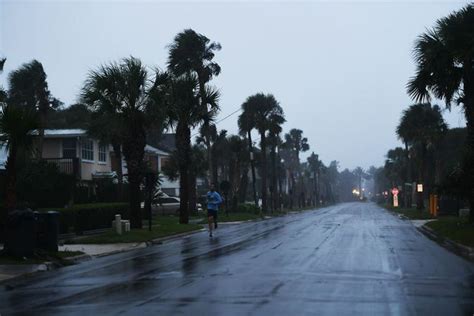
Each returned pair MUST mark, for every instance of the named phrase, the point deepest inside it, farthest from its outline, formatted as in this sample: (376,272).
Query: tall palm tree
(125,88)
(101,93)
(421,127)
(184,112)
(315,167)
(16,125)
(296,143)
(262,109)
(193,53)
(445,69)
(275,123)
(246,123)
(28,88)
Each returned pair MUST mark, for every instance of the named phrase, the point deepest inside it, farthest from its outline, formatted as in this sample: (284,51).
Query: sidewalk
(10,271)
(93,250)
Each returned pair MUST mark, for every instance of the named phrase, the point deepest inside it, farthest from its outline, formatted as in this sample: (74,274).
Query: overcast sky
(338,69)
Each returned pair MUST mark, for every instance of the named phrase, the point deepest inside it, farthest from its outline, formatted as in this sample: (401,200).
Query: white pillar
(118,224)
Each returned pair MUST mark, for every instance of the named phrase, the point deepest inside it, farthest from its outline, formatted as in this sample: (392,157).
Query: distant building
(76,153)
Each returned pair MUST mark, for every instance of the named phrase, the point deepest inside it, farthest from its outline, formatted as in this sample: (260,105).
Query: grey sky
(339,69)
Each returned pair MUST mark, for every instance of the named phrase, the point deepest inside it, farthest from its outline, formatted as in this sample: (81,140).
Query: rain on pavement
(353,258)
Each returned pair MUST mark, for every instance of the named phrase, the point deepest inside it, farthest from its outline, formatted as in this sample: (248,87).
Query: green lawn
(40,257)
(454,228)
(411,213)
(162,226)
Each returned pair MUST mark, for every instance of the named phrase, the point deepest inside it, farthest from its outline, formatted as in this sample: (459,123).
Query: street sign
(395,191)
(419,187)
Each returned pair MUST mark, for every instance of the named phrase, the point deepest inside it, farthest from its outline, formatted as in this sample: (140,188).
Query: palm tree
(296,143)
(16,125)
(184,112)
(125,89)
(246,124)
(28,88)
(445,68)
(193,53)
(421,128)
(261,110)
(106,120)
(315,167)
(274,129)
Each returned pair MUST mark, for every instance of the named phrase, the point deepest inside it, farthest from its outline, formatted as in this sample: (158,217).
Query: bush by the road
(83,217)
(247,208)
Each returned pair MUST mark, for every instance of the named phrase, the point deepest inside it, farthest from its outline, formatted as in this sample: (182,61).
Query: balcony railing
(70,166)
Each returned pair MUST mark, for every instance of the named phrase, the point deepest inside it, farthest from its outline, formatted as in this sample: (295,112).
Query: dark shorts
(212,213)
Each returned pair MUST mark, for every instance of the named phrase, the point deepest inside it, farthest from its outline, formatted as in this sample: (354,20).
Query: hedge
(248,208)
(83,217)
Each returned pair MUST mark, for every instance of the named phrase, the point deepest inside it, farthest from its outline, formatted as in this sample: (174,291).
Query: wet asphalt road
(347,259)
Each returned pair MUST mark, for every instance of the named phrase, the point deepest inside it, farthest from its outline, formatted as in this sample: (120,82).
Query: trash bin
(47,230)
(20,233)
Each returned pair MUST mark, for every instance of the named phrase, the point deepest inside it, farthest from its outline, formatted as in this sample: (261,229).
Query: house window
(87,149)
(102,153)
(69,148)
(164,161)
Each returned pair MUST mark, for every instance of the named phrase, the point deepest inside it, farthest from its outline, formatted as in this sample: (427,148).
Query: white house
(157,158)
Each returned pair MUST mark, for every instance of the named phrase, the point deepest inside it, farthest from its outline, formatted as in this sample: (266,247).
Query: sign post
(395,197)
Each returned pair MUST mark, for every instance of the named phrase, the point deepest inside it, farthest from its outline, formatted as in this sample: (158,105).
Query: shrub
(83,217)
(248,208)
(40,184)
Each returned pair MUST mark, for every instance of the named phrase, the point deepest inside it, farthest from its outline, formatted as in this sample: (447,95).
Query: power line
(224,118)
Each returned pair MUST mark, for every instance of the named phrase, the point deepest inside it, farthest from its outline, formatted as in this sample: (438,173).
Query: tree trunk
(252,162)
(407,199)
(274,179)
(118,157)
(263,145)
(192,193)
(469,112)
(468,82)
(134,152)
(244,180)
(10,188)
(183,146)
(206,128)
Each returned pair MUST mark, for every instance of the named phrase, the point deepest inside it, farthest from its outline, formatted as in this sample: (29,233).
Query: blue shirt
(213,200)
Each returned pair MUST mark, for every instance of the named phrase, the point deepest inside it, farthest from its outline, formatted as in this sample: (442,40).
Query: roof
(168,142)
(55,133)
(156,151)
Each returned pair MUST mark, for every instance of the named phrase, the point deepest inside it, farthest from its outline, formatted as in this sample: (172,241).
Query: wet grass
(454,228)
(162,226)
(410,213)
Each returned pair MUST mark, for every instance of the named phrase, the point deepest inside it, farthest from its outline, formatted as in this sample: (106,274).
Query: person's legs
(215,220)
(210,219)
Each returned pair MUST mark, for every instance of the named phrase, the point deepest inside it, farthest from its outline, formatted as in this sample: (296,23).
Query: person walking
(214,199)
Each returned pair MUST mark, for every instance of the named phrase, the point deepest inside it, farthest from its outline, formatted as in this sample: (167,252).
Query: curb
(461,250)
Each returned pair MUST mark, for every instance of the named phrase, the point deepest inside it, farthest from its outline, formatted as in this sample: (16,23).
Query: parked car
(169,205)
